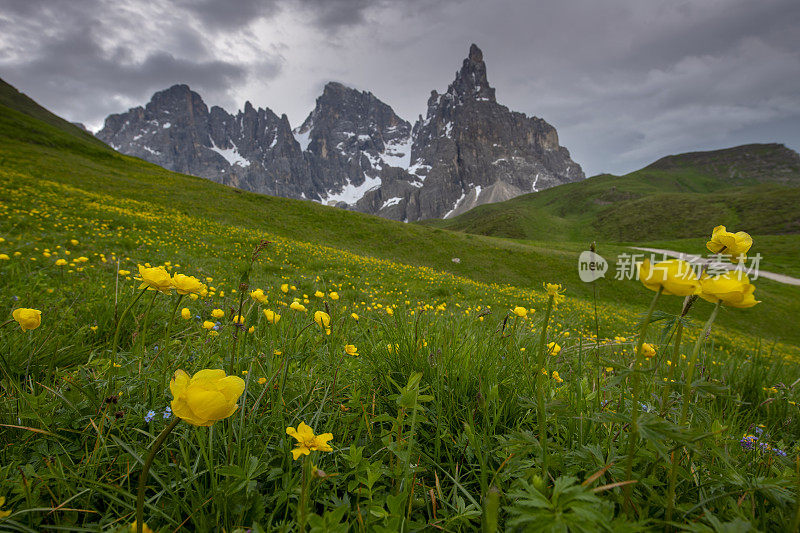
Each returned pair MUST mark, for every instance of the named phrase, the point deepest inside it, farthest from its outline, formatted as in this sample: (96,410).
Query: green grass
(35,151)
(439,423)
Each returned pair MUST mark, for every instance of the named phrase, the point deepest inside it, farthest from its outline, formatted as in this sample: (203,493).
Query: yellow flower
(27,318)
(208,325)
(334,295)
(258,295)
(93,328)
(553,348)
(261,381)
(61,262)
(732,288)
(73,242)
(145,528)
(155,278)
(323,320)
(556,377)
(206,397)
(555,291)
(675,276)
(238,319)
(272,316)
(648,350)
(735,244)
(3,514)
(187,284)
(251,329)
(389,311)
(350,349)
(297,306)
(4,257)
(218,313)
(354,316)
(319,294)
(520,312)
(307,442)
(185,313)
(120,272)
(285,287)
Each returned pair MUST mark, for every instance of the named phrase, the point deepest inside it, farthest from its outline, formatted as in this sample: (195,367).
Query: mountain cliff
(353,151)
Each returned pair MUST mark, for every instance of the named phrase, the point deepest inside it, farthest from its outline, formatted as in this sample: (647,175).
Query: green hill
(54,151)
(754,186)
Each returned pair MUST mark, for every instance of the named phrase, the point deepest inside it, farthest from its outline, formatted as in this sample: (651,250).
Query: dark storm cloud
(86,59)
(217,15)
(624,81)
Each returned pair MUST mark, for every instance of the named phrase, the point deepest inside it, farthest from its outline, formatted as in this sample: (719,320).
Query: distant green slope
(753,187)
(31,149)
(13,99)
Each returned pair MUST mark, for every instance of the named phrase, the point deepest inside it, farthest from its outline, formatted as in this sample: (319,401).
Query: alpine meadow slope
(179,354)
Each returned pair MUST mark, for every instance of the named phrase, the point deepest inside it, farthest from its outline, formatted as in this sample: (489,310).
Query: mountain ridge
(354,151)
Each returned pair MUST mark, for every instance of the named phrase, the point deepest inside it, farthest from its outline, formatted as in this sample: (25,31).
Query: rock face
(353,151)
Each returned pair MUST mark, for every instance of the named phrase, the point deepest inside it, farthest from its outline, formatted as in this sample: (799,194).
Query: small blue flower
(167,412)
(758,430)
(149,416)
(155,348)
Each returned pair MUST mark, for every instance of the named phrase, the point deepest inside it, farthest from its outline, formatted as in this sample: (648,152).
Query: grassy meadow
(459,396)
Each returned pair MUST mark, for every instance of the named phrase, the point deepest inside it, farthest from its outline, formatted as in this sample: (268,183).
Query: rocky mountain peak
(471,80)
(354,151)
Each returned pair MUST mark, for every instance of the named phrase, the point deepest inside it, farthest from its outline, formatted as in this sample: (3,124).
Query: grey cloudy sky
(624,81)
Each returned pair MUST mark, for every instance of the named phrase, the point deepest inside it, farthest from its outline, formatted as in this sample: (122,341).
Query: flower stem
(146,469)
(687,393)
(541,380)
(676,354)
(302,507)
(119,324)
(633,435)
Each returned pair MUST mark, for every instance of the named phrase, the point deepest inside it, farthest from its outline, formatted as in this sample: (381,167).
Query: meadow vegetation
(302,378)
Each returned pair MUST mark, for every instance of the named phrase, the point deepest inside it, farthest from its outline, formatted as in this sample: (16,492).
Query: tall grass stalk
(633,434)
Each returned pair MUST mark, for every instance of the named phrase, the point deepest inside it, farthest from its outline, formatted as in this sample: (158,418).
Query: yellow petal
(209,405)
(231,387)
(178,383)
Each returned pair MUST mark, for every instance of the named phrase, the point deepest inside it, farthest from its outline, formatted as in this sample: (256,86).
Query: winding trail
(780,278)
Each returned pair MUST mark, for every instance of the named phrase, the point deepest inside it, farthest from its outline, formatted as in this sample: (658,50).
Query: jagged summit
(471,80)
(354,151)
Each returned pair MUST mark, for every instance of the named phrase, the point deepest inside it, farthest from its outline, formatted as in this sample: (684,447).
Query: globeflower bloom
(334,295)
(186,314)
(648,350)
(27,319)
(187,284)
(732,288)
(272,316)
(258,295)
(520,311)
(736,244)
(553,348)
(297,306)
(218,313)
(307,442)
(206,397)
(61,262)
(350,349)
(676,277)
(155,278)
(323,320)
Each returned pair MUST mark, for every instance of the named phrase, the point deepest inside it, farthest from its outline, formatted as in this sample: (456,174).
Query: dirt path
(780,278)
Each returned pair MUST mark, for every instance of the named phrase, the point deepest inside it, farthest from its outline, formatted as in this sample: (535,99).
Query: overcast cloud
(624,82)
